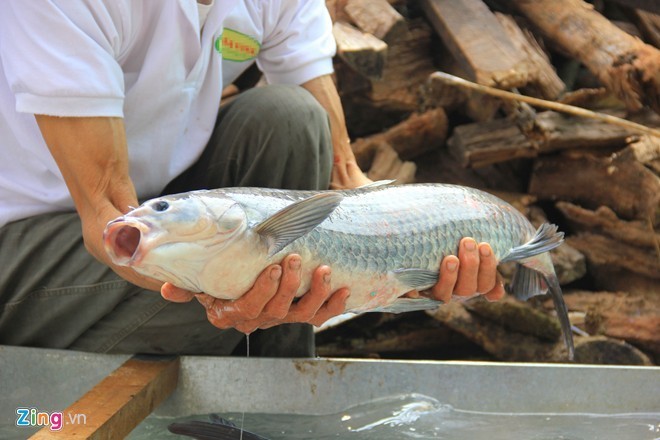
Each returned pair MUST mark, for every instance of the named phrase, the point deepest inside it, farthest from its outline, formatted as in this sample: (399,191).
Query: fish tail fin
(546,238)
(536,276)
(562,313)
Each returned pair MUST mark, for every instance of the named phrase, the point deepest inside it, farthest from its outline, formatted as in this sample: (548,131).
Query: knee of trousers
(291,123)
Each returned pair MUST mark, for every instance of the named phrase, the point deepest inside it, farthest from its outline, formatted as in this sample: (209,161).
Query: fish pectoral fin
(546,238)
(418,279)
(296,220)
(403,305)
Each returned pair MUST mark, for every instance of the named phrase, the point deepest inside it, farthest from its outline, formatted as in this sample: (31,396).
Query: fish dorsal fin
(297,219)
(377,183)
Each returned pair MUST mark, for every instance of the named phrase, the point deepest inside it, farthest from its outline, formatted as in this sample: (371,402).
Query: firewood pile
(597,179)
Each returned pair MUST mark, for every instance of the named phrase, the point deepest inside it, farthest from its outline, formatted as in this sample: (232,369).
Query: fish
(217,429)
(381,241)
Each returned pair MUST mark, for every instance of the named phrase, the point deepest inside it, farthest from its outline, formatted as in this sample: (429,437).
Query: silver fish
(381,241)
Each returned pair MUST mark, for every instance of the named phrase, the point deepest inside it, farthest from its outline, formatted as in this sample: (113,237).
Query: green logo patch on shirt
(236,46)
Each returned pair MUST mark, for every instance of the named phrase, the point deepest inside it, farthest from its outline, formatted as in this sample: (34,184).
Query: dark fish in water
(217,429)
(380,241)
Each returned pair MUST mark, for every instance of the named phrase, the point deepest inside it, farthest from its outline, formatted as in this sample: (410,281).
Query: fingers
(444,288)
(312,301)
(473,272)
(270,301)
(336,305)
(468,254)
(487,274)
(320,303)
(175,294)
(251,304)
(225,313)
(279,305)
(497,292)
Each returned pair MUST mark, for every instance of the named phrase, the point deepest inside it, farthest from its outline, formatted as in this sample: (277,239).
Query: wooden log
(622,315)
(497,340)
(614,278)
(377,17)
(407,67)
(478,42)
(604,251)
(623,63)
(645,150)
(626,186)
(544,103)
(119,402)
(336,10)
(647,5)
(476,106)
(361,51)
(410,138)
(406,335)
(480,144)
(553,131)
(544,81)
(387,166)
(602,350)
(605,221)
(628,27)
(594,99)
(518,316)
(405,342)
(649,24)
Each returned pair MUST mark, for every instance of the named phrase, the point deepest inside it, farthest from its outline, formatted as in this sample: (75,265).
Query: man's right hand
(270,301)
(92,156)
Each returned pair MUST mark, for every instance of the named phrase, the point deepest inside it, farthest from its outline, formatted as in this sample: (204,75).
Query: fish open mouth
(121,240)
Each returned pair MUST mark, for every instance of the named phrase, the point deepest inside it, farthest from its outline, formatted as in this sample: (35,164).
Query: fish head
(174,234)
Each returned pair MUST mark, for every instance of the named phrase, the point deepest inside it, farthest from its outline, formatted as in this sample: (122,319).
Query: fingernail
(294,263)
(276,273)
(327,277)
(470,245)
(452,266)
(484,251)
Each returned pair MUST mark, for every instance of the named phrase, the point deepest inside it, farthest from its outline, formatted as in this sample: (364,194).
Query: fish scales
(405,226)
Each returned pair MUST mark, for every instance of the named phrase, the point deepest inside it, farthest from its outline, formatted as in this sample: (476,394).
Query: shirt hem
(69,105)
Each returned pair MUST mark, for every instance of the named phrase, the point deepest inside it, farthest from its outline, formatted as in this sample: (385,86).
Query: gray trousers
(54,294)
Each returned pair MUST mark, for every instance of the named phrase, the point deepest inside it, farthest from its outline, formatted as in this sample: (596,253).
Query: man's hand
(270,301)
(92,156)
(473,272)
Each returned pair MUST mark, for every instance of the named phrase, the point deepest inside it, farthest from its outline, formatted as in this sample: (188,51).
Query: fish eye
(160,206)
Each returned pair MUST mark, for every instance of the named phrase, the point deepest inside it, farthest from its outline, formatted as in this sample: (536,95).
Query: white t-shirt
(146,61)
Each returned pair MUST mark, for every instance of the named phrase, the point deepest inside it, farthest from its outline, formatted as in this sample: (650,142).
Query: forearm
(92,156)
(346,173)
